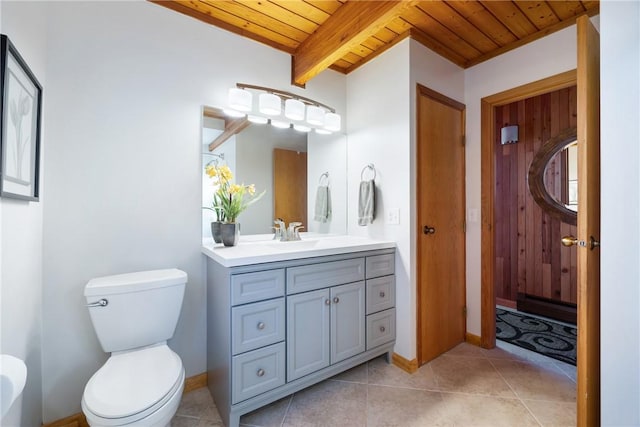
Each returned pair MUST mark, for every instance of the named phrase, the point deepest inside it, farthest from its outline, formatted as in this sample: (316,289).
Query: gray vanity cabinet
(326,327)
(277,327)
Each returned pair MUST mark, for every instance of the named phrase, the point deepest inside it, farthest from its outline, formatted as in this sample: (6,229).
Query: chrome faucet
(280,229)
(285,234)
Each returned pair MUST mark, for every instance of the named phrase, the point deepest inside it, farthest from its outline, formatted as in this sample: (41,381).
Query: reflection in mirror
(284,162)
(553,176)
(561,176)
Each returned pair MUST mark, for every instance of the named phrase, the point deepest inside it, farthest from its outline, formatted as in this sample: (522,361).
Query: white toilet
(134,315)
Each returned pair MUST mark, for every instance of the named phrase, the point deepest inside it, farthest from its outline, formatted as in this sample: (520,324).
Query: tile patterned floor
(467,386)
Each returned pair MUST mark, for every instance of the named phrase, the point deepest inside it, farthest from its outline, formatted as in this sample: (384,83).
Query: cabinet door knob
(260,372)
(382,329)
(260,325)
(381,294)
(327,301)
(336,300)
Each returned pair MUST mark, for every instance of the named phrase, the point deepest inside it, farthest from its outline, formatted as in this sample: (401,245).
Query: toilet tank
(135,309)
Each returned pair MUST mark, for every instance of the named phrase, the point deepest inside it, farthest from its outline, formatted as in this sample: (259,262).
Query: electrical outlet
(393,216)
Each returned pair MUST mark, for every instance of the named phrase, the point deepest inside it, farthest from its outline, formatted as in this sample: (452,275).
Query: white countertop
(256,249)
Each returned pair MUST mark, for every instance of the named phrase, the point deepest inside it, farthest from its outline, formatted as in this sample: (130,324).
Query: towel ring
(324,175)
(364,169)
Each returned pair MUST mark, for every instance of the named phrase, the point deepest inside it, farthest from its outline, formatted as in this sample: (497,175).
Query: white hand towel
(323,204)
(367,202)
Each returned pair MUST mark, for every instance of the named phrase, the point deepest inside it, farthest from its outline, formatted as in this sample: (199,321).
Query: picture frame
(20,121)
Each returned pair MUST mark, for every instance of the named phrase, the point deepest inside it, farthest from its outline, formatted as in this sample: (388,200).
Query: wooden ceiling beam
(349,26)
(231,127)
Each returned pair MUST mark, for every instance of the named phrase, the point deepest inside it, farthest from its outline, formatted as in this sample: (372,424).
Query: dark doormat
(542,336)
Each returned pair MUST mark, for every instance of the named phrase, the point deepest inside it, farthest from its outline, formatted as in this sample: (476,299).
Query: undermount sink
(13,376)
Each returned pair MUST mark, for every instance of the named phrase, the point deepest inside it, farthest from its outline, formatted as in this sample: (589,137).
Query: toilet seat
(134,384)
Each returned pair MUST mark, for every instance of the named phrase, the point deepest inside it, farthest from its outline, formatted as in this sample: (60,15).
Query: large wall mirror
(288,164)
(553,176)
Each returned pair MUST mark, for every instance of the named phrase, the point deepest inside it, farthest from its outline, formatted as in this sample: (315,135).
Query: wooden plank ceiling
(344,34)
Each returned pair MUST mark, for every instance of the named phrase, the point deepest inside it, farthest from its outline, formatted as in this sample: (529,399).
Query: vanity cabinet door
(307,332)
(347,321)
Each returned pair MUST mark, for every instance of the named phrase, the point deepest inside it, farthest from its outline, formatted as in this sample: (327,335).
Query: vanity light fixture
(294,109)
(315,115)
(282,109)
(240,99)
(301,128)
(279,124)
(259,120)
(270,104)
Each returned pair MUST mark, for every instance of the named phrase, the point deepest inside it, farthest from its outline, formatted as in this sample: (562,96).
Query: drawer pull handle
(336,300)
(382,329)
(260,325)
(381,294)
(327,301)
(260,372)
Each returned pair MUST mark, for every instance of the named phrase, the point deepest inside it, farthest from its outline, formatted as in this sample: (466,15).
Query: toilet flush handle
(101,303)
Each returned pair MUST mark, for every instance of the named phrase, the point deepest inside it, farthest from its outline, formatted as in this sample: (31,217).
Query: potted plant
(229,201)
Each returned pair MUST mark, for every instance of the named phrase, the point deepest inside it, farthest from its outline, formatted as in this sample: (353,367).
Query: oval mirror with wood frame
(536,177)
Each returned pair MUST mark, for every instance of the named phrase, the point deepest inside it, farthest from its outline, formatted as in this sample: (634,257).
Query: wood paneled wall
(529,256)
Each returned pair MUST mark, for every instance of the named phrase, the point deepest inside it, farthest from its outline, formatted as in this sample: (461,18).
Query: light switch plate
(472,215)
(393,216)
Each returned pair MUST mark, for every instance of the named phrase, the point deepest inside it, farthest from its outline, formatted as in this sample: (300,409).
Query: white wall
(620,180)
(382,131)
(543,58)
(327,153)
(21,238)
(124,167)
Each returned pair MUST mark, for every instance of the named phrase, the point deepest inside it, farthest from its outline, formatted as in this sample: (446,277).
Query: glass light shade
(233,113)
(294,109)
(323,132)
(257,119)
(315,115)
(240,99)
(270,104)
(279,124)
(332,122)
(301,128)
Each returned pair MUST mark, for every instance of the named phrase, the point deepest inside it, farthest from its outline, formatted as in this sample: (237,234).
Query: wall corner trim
(407,365)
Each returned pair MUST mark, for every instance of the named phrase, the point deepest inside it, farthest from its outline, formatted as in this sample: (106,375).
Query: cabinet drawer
(256,325)
(323,275)
(381,328)
(380,265)
(250,287)
(257,371)
(381,293)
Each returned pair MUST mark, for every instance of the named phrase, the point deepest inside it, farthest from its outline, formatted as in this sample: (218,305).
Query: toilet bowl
(141,383)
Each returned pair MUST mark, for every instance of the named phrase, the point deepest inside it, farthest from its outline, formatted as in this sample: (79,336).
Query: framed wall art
(20,122)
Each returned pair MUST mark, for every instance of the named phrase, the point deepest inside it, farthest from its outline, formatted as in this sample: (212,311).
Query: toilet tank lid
(138,281)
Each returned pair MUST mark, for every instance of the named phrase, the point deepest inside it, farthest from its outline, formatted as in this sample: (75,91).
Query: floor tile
(271,415)
(179,421)
(537,381)
(403,407)
(467,386)
(465,349)
(198,403)
(469,375)
(382,373)
(329,403)
(554,414)
(469,410)
(359,374)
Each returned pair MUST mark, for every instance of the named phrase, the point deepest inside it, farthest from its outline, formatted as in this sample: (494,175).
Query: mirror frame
(537,169)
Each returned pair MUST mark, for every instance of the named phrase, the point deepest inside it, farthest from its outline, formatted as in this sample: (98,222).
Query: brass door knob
(569,241)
